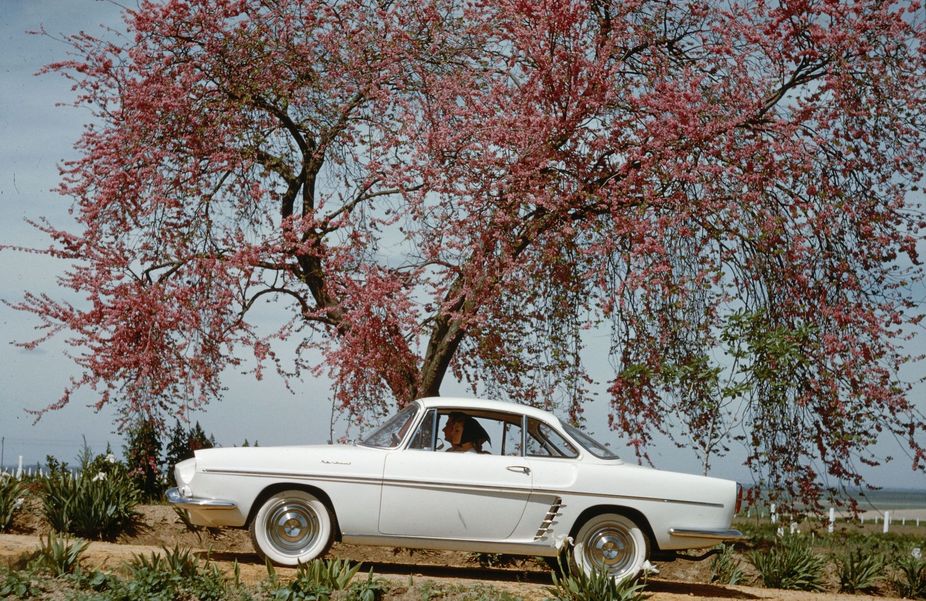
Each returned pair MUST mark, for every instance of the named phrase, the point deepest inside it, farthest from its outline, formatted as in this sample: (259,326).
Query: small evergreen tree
(198,439)
(177,449)
(182,443)
(143,455)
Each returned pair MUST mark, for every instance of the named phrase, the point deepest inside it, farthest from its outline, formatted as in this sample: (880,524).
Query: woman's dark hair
(474,432)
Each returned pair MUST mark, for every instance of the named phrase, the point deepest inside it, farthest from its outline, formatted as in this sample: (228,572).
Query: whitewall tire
(292,527)
(612,543)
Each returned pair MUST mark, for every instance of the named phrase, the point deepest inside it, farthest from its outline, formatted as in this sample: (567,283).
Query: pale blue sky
(35,136)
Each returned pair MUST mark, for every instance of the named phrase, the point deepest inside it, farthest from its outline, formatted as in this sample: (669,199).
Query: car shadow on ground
(543,578)
(697,590)
(414,569)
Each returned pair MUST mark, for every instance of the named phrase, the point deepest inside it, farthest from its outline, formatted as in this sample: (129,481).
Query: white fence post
(832,523)
(19,468)
(887,521)
(773,515)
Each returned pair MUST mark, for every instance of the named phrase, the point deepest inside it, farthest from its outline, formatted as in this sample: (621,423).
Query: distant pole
(2,447)
(887,521)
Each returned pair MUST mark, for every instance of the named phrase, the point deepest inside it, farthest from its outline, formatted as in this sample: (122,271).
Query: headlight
(184,472)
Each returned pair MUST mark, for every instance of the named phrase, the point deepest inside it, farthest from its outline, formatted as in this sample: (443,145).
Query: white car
(530,485)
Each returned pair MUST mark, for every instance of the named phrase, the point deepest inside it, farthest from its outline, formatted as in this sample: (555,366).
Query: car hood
(299,459)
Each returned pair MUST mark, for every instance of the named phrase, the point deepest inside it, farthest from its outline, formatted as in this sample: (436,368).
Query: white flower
(99,476)
(649,569)
(111,458)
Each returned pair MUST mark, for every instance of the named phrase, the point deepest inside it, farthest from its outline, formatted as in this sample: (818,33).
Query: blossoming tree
(424,186)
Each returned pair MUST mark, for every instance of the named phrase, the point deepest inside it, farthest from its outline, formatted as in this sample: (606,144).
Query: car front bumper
(174,497)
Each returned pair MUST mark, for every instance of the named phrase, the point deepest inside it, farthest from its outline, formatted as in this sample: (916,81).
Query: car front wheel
(611,543)
(292,527)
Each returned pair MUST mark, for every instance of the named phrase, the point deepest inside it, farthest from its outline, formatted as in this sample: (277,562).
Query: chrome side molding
(717,534)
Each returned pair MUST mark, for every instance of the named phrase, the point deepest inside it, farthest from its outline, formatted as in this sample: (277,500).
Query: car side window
(423,438)
(504,432)
(510,439)
(544,441)
(501,432)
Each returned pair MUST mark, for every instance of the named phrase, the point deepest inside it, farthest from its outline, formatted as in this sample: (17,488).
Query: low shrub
(910,576)
(758,533)
(790,564)
(170,575)
(480,592)
(98,504)
(597,586)
(859,570)
(316,580)
(58,556)
(726,568)
(371,589)
(11,495)
(16,584)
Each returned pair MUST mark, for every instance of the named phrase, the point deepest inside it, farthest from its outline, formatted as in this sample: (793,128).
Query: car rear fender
(629,512)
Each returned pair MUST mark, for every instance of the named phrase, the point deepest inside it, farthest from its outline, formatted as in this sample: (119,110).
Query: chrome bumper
(175,498)
(727,534)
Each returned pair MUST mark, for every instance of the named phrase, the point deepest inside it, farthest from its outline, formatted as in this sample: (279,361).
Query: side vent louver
(549,520)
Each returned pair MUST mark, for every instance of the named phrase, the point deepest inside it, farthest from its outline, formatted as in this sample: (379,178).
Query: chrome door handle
(519,468)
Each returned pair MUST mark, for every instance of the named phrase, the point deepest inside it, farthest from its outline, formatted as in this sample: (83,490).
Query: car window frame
(418,424)
(406,438)
(614,456)
(450,409)
(423,411)
(575,446)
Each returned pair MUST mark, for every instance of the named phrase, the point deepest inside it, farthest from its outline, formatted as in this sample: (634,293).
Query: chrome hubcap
(292,527)
(610,549)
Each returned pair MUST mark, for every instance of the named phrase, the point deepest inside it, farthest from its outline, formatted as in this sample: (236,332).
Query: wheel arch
(634,514)
(273,489)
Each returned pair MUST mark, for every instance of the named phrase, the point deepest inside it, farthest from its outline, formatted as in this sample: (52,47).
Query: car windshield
(391,433)
(591,445)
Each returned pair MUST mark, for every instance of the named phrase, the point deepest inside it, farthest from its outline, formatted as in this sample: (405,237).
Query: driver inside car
(464,434)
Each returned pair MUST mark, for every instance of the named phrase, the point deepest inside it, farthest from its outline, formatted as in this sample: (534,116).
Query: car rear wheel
(292,527)
(611,543)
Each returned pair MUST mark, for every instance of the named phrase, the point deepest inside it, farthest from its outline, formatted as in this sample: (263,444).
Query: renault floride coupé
(536,486)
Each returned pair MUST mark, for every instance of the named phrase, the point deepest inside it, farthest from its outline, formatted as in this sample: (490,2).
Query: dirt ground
(528,578)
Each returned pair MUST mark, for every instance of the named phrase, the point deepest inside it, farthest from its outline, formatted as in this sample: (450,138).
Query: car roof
(489,405)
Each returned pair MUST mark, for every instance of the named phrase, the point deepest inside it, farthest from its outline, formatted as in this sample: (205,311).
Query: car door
(469,496)
(553,462)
